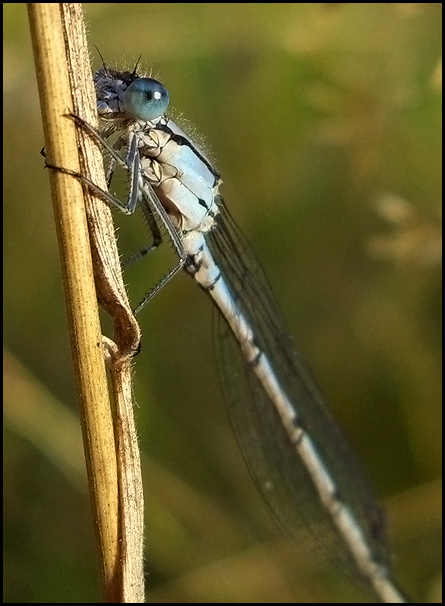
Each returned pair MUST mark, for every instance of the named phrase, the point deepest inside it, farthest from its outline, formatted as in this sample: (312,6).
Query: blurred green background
(325,122)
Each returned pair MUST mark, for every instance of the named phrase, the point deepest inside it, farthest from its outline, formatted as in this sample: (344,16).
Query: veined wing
(272,458)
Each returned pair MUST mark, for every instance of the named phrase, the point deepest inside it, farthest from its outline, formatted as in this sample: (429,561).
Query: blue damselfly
(291,445)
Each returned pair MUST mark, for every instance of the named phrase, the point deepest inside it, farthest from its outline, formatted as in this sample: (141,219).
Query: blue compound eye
(146,99)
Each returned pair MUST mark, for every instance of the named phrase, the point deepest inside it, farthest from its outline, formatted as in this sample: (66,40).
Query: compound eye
(146,99)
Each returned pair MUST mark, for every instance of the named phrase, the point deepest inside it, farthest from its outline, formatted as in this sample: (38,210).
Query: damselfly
(288,438)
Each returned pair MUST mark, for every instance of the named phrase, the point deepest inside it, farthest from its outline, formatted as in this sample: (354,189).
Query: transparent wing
(272,460)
